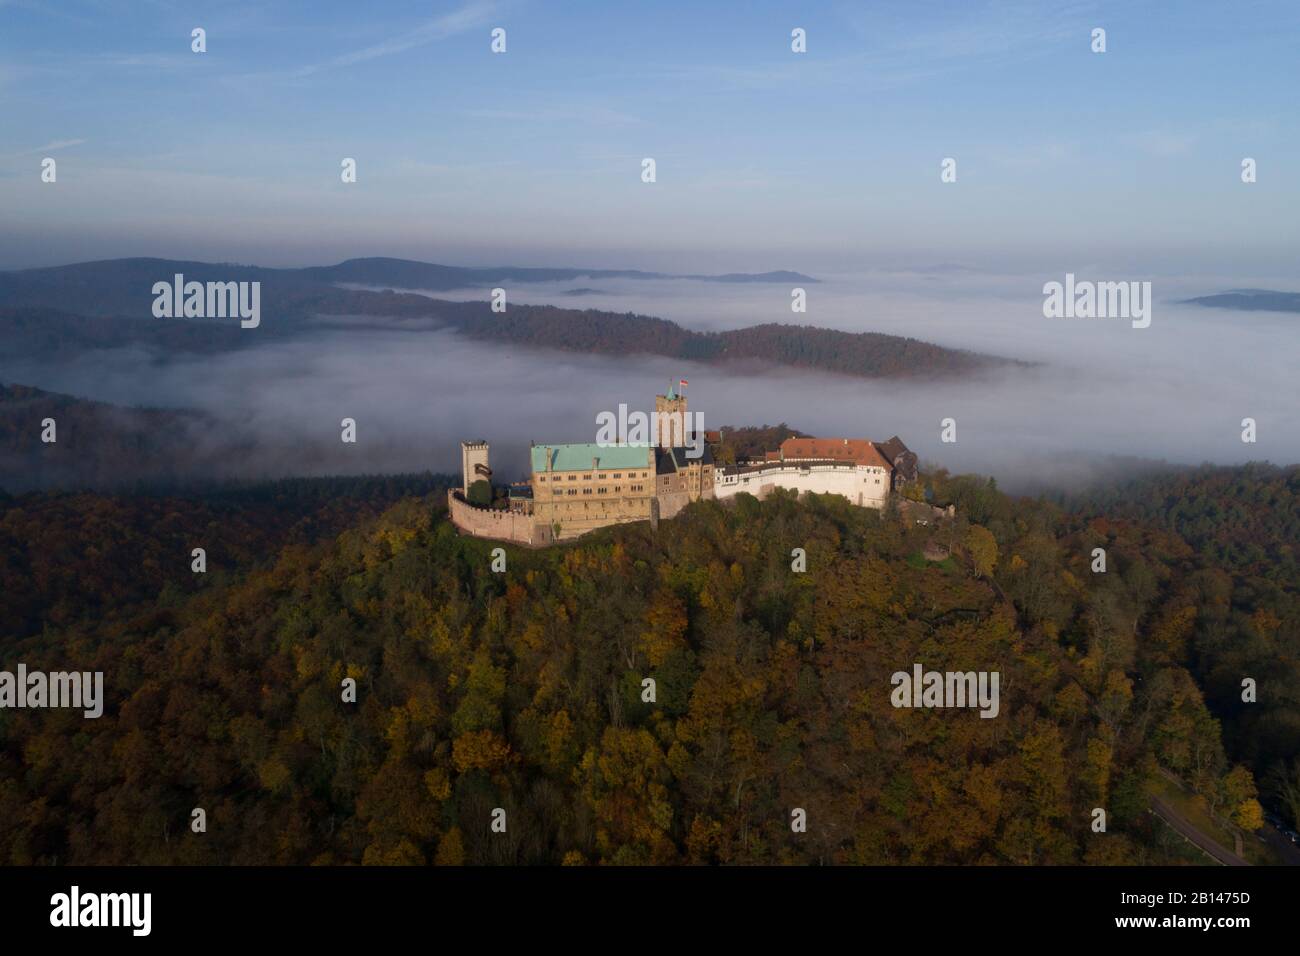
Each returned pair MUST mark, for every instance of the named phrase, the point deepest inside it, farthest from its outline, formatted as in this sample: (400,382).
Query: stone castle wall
(671,502)
(500,525)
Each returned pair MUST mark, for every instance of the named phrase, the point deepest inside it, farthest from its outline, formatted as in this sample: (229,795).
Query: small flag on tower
(683,383)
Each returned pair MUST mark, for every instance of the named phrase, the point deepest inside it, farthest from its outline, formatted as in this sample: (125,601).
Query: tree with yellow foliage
(983,549)
(1239,798)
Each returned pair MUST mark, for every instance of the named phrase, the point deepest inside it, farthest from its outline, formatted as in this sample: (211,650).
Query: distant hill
(37,331)
(97,444)
(123,286)
(409,274)
(1251,300)
(114,448)
(109,304)
(863,354)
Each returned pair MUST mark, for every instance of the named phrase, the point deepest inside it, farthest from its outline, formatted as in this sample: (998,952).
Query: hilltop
(524,689)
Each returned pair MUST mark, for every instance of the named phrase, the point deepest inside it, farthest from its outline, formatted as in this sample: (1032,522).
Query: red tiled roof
(857,450)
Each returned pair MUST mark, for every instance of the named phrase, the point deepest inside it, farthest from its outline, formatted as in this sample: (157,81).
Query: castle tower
(670,419)
(474,464)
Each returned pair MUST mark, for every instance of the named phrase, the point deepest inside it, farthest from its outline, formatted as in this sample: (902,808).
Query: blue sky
(825,161)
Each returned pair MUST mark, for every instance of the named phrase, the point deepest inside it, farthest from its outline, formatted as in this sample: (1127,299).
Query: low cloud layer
(1176,391)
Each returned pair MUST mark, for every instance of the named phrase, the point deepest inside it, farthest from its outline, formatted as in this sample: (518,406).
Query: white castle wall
(865,485)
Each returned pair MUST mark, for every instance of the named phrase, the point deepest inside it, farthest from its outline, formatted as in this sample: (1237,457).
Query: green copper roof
(578,457)
(672,392)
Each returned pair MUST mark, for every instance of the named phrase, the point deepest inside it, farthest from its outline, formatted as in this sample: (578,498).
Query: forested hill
(113,448)
(42,332)
(523,690)
(78,558)
(864,354)
(123,286)
(95,443)
(98,445)
(1239,610)
(1251,300)
(60,312)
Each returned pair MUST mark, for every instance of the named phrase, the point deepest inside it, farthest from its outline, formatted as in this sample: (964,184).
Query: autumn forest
(522,690)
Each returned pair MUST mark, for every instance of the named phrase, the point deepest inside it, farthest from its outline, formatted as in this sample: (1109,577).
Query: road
(1183,826)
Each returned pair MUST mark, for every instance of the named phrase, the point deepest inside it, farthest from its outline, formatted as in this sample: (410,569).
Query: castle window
(586,477)
(601,491)
(586,491)
(573,491)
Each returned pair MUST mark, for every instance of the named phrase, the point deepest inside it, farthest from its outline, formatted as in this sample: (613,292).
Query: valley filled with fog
(1102,391)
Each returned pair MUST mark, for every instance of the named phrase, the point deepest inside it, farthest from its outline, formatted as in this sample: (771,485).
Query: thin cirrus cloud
(49,147)
(468,17)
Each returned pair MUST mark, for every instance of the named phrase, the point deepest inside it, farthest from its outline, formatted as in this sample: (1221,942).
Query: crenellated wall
(499,525)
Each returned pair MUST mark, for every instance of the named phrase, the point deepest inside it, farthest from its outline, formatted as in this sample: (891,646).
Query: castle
(576,488)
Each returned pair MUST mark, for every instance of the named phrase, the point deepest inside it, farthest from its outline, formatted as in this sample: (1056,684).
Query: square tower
(670,419)
(474,464)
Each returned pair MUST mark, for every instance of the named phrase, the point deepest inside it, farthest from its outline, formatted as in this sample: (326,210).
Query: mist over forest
(1099,395)
(274,278)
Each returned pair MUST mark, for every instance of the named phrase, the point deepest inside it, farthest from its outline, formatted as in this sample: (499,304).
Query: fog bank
(1177,390)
